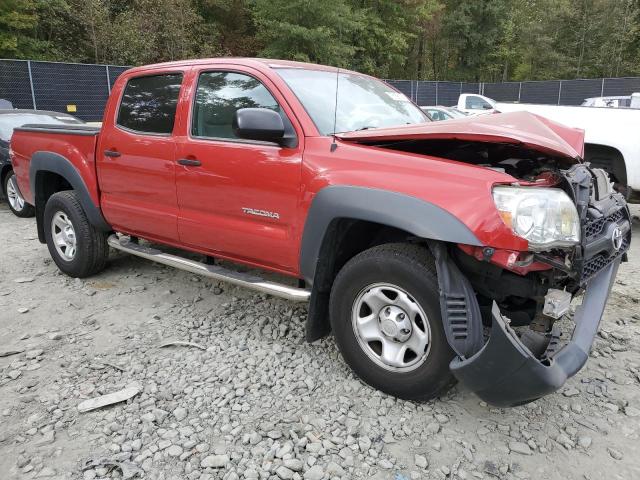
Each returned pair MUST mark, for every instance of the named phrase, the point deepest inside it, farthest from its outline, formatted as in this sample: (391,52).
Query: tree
(320,32)
(18,20)
(159,30)
(463,40)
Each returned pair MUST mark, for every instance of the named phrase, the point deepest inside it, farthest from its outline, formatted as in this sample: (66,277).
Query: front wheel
(17,204)
(76,246)
(385,315)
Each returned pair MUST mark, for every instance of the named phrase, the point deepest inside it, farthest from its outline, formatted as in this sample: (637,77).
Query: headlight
(546,217)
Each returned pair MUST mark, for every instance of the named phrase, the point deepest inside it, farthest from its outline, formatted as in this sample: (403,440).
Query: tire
(409,271)
(91,248)
(15,200)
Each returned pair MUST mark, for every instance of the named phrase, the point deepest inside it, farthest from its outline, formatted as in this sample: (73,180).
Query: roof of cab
(260,63)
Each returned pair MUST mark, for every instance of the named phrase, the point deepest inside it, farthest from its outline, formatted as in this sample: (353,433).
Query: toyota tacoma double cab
(433,252)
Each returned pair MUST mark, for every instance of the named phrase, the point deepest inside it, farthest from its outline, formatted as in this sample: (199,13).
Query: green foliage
(467,40)
(17,22)
(309,31)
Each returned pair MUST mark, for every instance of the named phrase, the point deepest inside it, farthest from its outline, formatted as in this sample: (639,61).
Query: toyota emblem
(616,239)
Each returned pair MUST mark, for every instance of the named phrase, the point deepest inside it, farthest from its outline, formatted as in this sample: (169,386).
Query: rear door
(136,158)
(238,198)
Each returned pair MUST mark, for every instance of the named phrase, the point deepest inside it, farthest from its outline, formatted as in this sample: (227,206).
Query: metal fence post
(559,92)
(436,92)
(519,90)
(602,88)
(33,94)
(108,79)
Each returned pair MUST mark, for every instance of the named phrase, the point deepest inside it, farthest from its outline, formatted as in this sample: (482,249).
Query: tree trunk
(584,37)
(421,56)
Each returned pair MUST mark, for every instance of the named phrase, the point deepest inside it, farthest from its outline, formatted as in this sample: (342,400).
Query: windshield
(9,121)
(363,102)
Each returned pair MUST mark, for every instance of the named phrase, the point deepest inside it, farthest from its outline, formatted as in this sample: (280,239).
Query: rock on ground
(246,398)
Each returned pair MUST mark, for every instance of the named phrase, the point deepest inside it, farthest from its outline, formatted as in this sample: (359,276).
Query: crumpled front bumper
(505,373)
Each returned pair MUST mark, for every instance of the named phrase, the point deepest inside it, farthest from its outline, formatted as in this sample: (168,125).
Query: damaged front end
(525,357)
(515,294)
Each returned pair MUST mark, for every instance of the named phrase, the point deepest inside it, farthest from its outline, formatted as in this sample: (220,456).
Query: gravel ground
(250,399)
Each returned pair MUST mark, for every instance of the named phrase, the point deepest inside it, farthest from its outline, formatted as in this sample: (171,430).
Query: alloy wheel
(64,236)
(13,194)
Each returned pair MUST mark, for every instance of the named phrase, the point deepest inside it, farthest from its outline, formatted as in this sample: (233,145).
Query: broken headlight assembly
(545,217)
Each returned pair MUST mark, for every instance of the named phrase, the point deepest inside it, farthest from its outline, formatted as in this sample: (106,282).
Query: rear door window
(149,103)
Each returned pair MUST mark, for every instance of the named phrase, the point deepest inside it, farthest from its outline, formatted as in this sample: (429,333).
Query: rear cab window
(149,103)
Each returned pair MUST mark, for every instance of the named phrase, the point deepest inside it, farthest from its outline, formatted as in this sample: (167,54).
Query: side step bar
(211,271)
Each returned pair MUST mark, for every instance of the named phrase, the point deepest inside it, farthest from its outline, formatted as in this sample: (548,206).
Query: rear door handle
(188,162)
(111,153)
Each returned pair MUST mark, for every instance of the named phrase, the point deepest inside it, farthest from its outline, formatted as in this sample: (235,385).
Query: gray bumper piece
(505,373)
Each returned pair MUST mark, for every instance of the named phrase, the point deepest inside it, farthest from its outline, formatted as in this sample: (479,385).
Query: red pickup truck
(409,239)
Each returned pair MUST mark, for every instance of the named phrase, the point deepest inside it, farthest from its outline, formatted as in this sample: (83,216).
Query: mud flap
(505,373)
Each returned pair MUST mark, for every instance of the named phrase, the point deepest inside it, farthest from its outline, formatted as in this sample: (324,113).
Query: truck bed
(76,143)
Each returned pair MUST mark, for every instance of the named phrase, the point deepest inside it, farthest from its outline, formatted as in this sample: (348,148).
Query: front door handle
(189,162)
(111,153)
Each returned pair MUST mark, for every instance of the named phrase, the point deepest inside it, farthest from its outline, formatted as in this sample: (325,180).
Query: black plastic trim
(83,130)
(53,162)
(459,307)
(418,217)
(506,374)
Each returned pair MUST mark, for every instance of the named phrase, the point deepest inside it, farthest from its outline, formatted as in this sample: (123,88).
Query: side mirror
(487,107)
(258,124)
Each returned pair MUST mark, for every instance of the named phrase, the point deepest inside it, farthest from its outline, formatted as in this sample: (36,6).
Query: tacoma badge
(261,213)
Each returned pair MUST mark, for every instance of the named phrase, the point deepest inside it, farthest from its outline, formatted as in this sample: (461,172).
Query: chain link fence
(76,88)
(83,89)
(549,92)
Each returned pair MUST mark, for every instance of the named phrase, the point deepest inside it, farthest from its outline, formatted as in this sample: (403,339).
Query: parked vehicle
(624,101)
(439,113)
(611,137)
(9,120)
(473,104)
(406,239)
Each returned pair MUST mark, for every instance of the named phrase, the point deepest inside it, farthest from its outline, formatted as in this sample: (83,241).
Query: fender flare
(416,216)
(43,161)
(419,218)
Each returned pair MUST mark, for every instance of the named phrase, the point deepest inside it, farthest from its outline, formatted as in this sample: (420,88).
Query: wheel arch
(345,220)
(610,159)
(49,173)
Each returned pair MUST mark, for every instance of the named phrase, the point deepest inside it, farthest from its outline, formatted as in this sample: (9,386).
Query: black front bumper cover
(505,373)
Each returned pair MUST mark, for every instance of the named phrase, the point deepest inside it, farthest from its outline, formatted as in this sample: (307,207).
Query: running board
(211,271)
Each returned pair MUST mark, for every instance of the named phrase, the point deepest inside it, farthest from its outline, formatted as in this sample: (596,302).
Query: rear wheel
(16,201)
(76,246)
(385,315)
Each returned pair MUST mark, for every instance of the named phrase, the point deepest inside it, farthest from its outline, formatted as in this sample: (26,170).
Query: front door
(237,198)
(136,159)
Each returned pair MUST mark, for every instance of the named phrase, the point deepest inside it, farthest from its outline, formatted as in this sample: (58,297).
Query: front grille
(600,249)
(600,261)
(595,228)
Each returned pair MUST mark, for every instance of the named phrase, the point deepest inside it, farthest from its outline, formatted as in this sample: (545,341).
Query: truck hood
(517,128)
